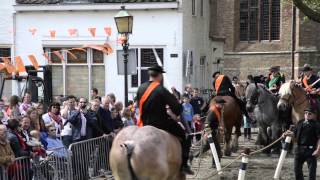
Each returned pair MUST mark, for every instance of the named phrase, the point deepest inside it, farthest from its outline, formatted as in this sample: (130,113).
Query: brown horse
(146,153)
(291,94)
(231,117)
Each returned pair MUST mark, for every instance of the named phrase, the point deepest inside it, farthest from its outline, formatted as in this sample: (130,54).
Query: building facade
(177,30)
(258,35)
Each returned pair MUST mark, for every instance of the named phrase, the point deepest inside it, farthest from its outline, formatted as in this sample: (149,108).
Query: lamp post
(124,23)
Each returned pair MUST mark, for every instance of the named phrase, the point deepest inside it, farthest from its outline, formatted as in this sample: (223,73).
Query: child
(187,113)
(247,128)
(198,125)
(36,145)
(127,118)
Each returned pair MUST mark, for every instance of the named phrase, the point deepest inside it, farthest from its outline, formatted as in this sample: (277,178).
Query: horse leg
(276,133)
(227,135)
(235,144)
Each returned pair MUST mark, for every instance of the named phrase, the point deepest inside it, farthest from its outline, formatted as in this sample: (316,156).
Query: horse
(231,117)
(146,153)
(293,95)
(263,105)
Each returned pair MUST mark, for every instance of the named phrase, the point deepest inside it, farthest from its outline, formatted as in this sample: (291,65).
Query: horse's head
(252,96)
(286,95)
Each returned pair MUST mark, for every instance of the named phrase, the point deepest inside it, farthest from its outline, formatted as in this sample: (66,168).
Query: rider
(310,84)
(275,79)
(223,87)
(213,120)
(153,100)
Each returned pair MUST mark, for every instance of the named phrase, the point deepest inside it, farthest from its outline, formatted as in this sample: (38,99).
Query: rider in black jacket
(154,111)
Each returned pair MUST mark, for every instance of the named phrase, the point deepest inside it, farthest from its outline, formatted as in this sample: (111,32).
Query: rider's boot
(185,168)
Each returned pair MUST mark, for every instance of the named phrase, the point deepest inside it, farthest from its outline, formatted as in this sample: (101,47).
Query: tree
(310,8)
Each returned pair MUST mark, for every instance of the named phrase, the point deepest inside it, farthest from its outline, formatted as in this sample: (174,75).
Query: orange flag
(46,55)
(34,61)
(2,66)
(108,31)
(52,33)
(79,49)
(57,53)
(19,65)
(10,68)
(73,56)
(73,32)
(33,31)
(92,31)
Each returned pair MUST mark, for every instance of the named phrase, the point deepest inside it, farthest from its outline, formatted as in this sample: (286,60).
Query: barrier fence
(83,160)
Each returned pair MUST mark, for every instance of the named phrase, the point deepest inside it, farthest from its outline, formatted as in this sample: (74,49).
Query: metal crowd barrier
(90,158)
(21,169)
(83,160)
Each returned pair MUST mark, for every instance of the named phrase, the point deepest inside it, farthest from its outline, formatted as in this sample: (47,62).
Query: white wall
(153,27)
(6,29)
(196,38)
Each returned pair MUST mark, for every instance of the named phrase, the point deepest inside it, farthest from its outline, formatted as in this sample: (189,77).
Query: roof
(88,1)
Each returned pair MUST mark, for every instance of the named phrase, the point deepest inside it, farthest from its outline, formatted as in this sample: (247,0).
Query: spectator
(93,128)
(40,108)
(94,94)
(36,145)
(55,144)
(13,109)
(26,103)
(112,98)
(198,125)
(119,107)
(116,120)
(239,88)
(175,92)
(25,128)
(7,155)
(78,121)
(197,102)
(126,117)
(187,113)
(3,114)
(104,114)
(54,117)
(17,144)
(32,113)
(188,90)
(69,107)
(247,128)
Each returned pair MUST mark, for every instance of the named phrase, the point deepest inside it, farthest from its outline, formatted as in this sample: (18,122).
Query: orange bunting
(106,48)
(57,53)
(52,33)
(10,68)
(92,31)
(108,31)
(34,61)
(20,65)
(2,66)
(46,55)
(79,49)
(73,32)
(73,56)
(33,31)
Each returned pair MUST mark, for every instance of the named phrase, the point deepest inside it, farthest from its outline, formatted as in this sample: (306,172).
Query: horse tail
(129,146)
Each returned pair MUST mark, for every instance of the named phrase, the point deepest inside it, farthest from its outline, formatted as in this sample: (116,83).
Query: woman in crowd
(13,109)
(127,118)
(54,117)
(32,113)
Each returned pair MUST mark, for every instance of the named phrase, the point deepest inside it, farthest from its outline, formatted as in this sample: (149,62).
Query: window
(259,20)
(145,60)
(193,6)
(5,52)
(78,73)
(201,7)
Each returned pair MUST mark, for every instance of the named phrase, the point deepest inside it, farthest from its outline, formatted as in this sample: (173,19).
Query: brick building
(257,34)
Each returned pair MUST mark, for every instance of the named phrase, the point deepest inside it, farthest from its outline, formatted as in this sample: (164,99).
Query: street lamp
(124,23)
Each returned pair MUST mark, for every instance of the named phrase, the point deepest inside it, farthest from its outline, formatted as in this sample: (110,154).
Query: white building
(178,30)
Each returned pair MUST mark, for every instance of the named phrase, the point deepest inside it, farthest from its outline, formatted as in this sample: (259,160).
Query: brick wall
(243,58)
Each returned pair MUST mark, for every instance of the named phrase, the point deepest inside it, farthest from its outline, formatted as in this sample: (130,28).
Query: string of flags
(73,32)
(19,66)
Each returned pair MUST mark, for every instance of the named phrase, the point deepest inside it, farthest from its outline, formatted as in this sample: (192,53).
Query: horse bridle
(294,97)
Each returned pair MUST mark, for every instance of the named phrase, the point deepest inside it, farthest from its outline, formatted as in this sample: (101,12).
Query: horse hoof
(227,153)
